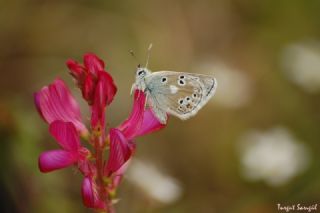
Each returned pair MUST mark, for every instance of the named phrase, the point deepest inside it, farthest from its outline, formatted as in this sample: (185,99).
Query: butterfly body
(177,93)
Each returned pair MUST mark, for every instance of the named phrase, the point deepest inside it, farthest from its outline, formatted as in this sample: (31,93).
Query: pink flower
(55,102)
(140,122)
(90,196)
(121,149)
(103,96)
(72,152)
(117,176)
(59,109)
(88,75)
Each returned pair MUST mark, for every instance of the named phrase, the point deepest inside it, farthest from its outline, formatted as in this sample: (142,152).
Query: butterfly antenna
(134,56)
(148,54)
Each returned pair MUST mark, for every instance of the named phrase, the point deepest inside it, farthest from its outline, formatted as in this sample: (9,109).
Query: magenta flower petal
(98,107)
(84,165)
(37,100)
(66,135)
(55,102)
(56,159)
(87,193)
(120,151)
(77,71)
(104,93)
(109,87)
(88,89)
(149,124)
(140,121)
(89,75)
(75,68)
(118,175)
(130,126)
(93,63)
(90,194)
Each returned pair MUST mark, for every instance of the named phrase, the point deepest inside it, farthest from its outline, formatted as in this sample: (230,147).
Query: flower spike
(59,109)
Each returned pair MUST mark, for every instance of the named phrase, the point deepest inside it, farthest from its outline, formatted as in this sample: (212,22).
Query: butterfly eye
(181,101)
(188,98)
(142,72)
(181,76)
(194,95)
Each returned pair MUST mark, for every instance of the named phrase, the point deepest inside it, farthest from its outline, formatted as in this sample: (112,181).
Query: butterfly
(179,94)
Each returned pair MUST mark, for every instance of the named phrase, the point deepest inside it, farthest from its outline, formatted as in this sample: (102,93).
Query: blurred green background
(255,145)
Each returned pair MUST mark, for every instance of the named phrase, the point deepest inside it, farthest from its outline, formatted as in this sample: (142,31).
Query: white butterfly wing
(178,93)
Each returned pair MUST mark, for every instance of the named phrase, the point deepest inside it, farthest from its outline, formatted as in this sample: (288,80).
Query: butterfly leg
(133,87)
(146,102)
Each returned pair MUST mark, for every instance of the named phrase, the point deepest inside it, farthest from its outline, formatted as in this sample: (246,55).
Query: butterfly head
(140,84)
(141,72)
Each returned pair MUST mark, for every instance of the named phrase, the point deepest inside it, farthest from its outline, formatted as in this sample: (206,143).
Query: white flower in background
(274,156)
(234,86)
(155,184)
(302,65)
